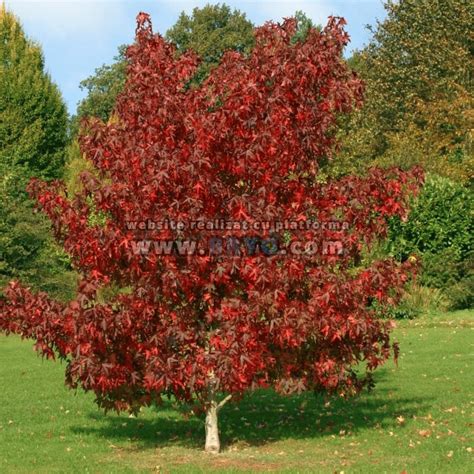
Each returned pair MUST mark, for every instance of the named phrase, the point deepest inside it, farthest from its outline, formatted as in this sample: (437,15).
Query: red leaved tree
(242,148)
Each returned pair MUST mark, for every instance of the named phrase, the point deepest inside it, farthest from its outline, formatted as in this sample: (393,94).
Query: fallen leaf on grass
(400,420)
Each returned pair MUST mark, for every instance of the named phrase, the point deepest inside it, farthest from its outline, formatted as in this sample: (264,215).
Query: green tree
(419,105)
(33,117)
(304,25)
(33,136)
(210,31)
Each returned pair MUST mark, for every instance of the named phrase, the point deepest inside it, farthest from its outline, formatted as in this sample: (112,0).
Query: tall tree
(242,148)
(33,117)
(417,69)
(33,135)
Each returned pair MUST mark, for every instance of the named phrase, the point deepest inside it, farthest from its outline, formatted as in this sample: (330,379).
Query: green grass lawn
(418,419)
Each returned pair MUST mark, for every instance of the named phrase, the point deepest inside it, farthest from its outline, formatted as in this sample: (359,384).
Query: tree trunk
(213,444)
(212,429)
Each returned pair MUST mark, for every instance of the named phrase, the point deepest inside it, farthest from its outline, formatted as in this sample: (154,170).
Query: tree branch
(223,402)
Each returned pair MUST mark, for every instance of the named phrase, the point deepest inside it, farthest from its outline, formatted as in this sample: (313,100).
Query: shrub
(439,230)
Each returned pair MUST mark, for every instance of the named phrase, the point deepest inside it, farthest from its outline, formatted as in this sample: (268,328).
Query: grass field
(418,419)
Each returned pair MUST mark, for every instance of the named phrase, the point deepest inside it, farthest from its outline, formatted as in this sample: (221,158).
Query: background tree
(33,135)
(33,115)
(210,31)
(304,24)
(419,106)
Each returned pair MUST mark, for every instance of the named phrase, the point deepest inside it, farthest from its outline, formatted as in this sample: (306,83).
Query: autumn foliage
(243,146)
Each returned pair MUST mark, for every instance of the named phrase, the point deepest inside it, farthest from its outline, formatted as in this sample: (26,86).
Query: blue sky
(79,35)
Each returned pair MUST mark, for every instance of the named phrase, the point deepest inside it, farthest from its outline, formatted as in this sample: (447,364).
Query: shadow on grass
(262,417)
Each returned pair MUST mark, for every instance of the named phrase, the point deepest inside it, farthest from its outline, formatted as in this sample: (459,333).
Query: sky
(77,36)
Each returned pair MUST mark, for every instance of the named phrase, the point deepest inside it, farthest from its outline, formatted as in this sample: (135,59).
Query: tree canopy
(417,69)
(33,117)
(210,32)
